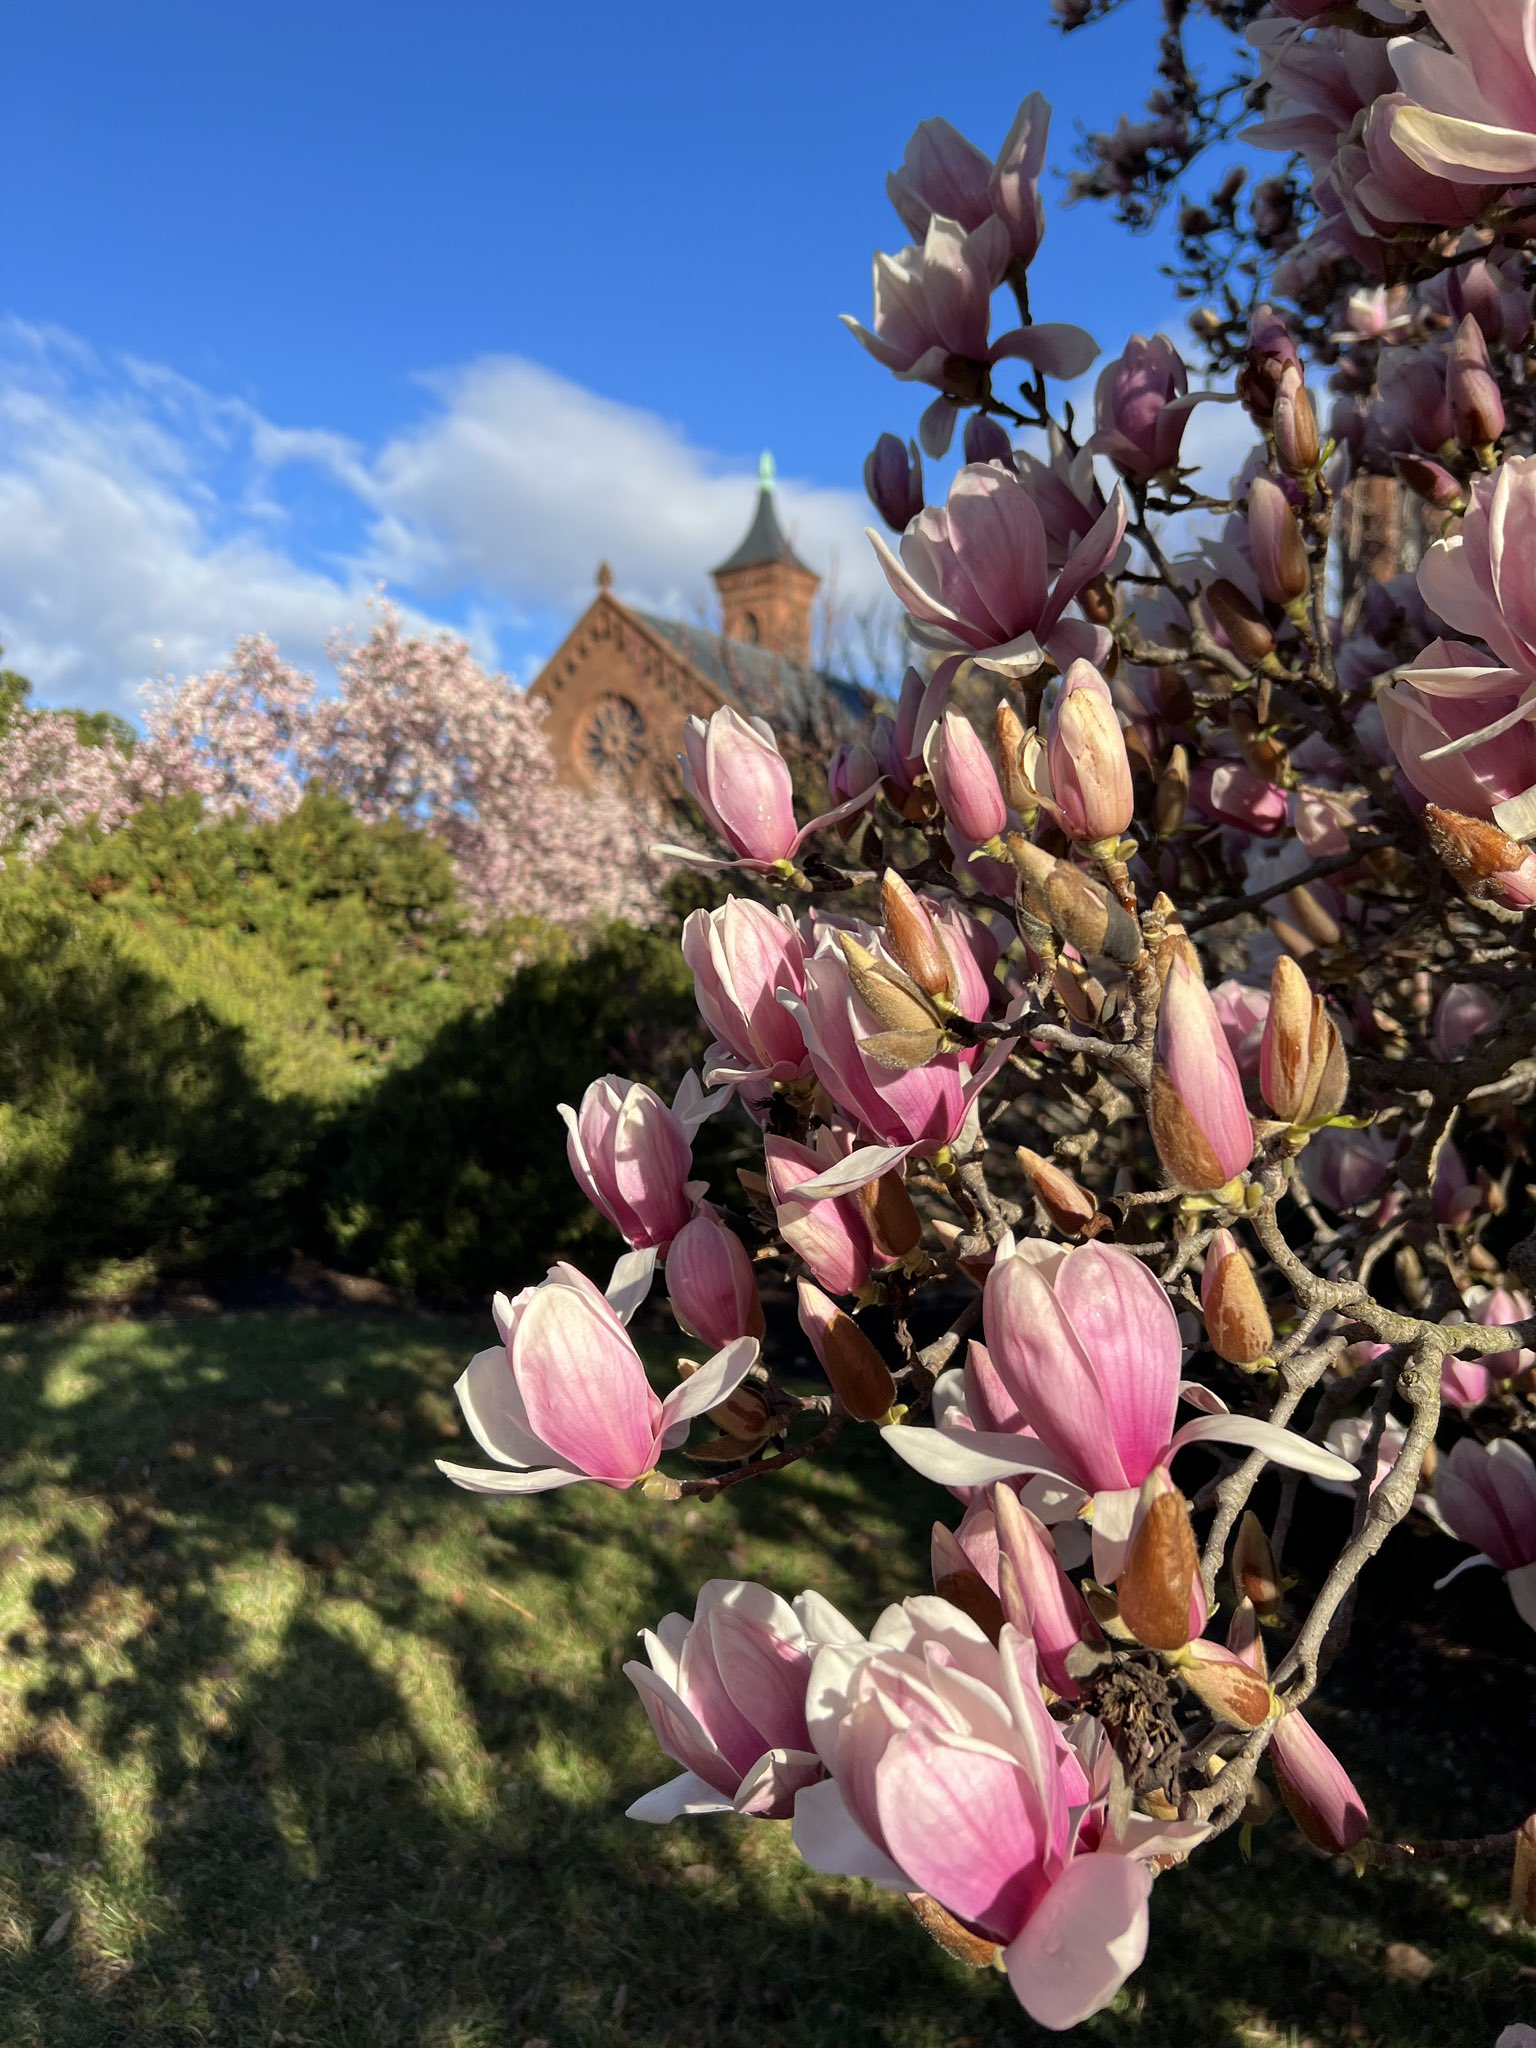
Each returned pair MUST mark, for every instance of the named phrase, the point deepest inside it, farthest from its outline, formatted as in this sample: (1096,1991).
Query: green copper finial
(765,471)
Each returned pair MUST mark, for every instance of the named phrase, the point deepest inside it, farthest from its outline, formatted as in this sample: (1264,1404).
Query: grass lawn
(300,1745)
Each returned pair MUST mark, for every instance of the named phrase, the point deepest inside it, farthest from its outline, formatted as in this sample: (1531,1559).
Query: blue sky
(297,299)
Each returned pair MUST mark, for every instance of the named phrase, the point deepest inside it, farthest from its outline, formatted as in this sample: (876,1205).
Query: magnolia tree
(1152,1059)
(417,730)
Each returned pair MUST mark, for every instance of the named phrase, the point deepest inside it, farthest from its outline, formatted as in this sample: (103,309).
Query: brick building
(622,682)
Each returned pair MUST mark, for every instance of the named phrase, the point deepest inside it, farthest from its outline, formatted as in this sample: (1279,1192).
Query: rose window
(614,740)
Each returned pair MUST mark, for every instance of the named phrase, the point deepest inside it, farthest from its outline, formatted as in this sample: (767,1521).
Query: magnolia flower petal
(714,1380)
(492,1406)
(971,1457)
(831,1840)
(1522,1590)
(849,808)
(476,1479)
(769,1789)
(1082,1941)
(630,1282)
(1280,1446)
(685,1794)
(864,1164)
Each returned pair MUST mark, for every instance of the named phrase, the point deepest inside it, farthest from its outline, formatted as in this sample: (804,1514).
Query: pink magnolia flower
(742,955)
(944,173)
(933,318)
(734,772)
(965,779)
(1229,794)
(831,1235)
(1316,1787)
(1474,754)
(633,1157)
(1344,1168)
(710,1282)
(974,575)
(1086,1346)
(564,1396)
(901,1111)
(948,1776)
(1200,1123)
(1142,405)
(1473,114)
(1486,1493)
(725,1696)
(893,478)
(1087,782)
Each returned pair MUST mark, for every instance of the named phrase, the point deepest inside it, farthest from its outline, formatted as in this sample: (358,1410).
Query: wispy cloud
(145,522)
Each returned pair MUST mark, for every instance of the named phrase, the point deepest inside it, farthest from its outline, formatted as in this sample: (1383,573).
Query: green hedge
(224,1042)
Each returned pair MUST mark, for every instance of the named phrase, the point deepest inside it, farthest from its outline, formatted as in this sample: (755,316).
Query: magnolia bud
(1235,1316)
(1472,848)
(860,1377)
(1294,426)
(1158,1576)
(986,440)
(1172,797)
(1089,917)
(1472,390)
(895,1228)
(1010,735)
(1312,917)
(1431,481)
(1071,1208)
(1200,1124)
(910,935)
(1248,635)
(1085,752)
(1254,1571)
(1285,1048)
(1271,352)
(1275,543)
(900,1006)
(965,779)
(957,1580)
(893,477)
(1233,1690)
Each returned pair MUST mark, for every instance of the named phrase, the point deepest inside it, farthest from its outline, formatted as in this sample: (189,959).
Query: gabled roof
(765,541)
(764,684)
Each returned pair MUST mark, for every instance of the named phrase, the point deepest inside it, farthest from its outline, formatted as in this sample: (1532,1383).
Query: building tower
(766,591)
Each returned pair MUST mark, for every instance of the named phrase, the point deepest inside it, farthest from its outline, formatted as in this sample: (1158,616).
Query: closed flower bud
(1285,1048)
(1294,425)
(1247,633)
(1271,352)
(1171,800)
(1161,1563)
(986,440)
(860,1377)
(1275,543)
(1195,1106)
(1431,481)
(1472,389)
(710,1282)
(966,780)
(1232,1690)
(895,1228)
(1090,775)
(1081,911)
(1235,1316)
(1473,849)
(1329,1071)
(1312,917)
(893,477)
(910,935)
(905,1051)
(1071,1208)
(1254,1571)
(895,1000)
(1010,735)
(1316,1787)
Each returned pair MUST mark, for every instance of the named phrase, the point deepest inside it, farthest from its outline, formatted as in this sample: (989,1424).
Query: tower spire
(765,471)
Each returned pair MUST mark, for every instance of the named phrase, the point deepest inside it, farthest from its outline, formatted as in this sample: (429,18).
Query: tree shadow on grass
(350,1751)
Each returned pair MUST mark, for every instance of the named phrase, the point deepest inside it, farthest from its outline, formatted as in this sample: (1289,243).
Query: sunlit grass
(300,1745)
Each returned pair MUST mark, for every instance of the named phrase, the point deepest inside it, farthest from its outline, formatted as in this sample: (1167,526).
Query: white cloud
(146,523)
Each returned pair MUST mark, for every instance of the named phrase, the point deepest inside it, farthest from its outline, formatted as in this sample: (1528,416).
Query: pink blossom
(1473,114)
(1463,1012)
(736,775)
(974,575)
(1466,752)
(1087,785)
(1243,1013)
(1316,1787)
(564,1396)
(1086,1347)
(742,955)
(1229,794)
(1487,1493)
(831,1234)
(943,173)
(893,478)
(965,779)
(1142,406)
(1200,1123)
(52,781)
(725,1696)
(1344,1168)
(710,1282)
(948,1776)
(632,1157)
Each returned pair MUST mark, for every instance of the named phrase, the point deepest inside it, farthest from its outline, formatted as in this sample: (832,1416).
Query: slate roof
(765,541)
(764,684)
